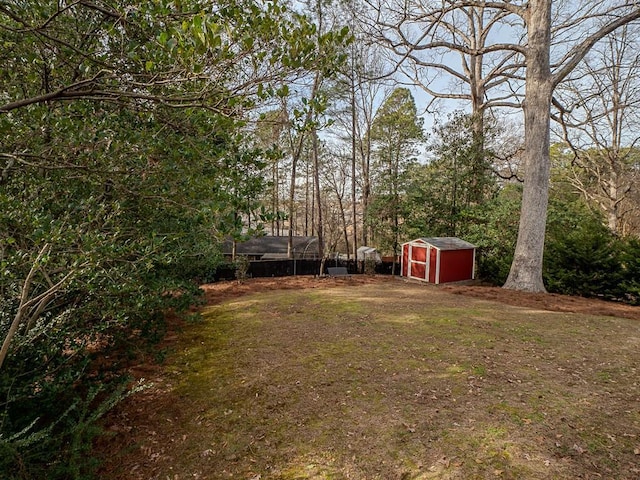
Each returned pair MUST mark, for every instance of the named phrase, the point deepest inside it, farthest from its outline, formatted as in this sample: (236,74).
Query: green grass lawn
(390,381)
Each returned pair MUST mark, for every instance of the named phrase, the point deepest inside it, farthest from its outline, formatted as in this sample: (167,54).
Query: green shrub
(582,257)
(242,265)
(370,266)
(630,263)
(124,277)
(493,228)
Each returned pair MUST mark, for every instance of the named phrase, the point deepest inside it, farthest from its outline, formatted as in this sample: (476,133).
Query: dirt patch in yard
(217,292)
(548,301)
(379,378)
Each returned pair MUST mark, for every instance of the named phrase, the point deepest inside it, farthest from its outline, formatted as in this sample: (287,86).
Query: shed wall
(457,265)
(433,265)
(405,260)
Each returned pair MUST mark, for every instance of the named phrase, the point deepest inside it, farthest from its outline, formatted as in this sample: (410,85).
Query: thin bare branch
(24,295)
(577,53)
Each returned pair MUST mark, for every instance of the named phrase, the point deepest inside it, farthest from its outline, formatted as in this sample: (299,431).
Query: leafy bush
(130,247)
(493,228)
(242,265)
(582,257)
(27,453)
(370,266)
(62,369)
(630,263)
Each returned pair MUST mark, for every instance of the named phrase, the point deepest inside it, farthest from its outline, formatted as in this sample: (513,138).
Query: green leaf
(283,91)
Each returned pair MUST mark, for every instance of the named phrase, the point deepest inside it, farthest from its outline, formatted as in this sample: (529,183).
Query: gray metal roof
(365,253)
(274,245)
(448,243)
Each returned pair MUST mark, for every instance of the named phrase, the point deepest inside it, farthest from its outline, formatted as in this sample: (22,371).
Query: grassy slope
(396,381)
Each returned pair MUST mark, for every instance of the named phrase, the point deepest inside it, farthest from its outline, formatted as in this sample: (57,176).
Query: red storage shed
(438,259)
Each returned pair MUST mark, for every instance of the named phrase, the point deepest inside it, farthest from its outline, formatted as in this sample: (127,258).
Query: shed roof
(270,245)
(447,243)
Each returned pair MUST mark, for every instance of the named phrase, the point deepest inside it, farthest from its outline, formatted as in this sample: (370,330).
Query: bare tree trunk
(526,269)
(316,175)
(294,164)
(343,217)
(395,192)
(477,112)
(275,203)
(366,189)
(353,169)
(297,153)
(306,200)
(313,206)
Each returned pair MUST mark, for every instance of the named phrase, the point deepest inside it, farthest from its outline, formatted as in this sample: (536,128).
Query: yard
(369,378)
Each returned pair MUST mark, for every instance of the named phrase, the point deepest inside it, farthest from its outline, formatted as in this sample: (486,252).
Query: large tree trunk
(526,269)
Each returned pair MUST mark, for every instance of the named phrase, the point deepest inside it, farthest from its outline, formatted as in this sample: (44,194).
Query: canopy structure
(368,253)
(274,247)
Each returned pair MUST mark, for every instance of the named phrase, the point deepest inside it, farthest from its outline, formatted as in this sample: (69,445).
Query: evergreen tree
(396,132)
(445,195)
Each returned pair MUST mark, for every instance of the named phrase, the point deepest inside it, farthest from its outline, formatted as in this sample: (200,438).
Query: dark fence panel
(355,267)
(385,268)
(285,268)
(225,272)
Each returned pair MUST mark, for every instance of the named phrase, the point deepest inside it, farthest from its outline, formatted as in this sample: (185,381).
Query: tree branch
(24,294)
(579,51)
(67,92)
